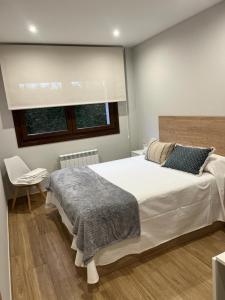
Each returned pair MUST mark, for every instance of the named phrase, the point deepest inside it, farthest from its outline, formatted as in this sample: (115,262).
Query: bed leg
(92,273)
(79,259)
(48,203)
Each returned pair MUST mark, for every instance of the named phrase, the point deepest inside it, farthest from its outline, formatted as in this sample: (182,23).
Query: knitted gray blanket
(101,213)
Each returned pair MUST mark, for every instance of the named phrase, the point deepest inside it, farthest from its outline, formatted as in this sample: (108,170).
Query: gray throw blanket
(101,213)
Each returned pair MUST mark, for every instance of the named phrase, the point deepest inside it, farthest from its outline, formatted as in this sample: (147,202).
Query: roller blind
(49,76)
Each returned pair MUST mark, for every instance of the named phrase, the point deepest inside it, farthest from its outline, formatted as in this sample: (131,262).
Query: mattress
(171,203)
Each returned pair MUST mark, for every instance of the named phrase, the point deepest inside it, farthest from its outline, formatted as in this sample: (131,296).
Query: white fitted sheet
(171,203)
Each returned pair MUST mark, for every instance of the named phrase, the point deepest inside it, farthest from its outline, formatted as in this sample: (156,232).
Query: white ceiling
(92,21)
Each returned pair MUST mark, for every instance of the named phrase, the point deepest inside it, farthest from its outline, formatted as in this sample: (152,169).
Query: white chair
(16,168)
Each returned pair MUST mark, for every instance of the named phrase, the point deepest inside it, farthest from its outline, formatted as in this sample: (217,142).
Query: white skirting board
(5,280)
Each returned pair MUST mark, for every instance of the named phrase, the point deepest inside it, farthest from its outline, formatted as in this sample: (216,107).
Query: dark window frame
(73,133)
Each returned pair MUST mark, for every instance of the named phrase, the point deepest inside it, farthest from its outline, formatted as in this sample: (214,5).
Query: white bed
(171,203)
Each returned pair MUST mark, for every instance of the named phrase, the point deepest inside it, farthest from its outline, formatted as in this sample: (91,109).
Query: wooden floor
(42,264)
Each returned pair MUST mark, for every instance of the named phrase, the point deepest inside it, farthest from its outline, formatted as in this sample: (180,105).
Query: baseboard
(9,262)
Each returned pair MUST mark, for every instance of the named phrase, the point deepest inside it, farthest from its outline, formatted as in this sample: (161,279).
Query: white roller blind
(46,76)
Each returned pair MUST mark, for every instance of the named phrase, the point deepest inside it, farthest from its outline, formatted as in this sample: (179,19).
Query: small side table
(137,152)
(218,271)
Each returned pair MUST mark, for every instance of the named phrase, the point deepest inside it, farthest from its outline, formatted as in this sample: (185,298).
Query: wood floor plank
(183,273)
(42,264)
(152,281)
(36,246)
(201,249)
(44,282)
(21,288)
(55,262)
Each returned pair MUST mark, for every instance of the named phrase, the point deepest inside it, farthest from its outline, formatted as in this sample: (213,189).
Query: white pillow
(213,162)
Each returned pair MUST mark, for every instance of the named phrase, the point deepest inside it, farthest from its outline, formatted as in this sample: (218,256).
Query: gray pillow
(188,159)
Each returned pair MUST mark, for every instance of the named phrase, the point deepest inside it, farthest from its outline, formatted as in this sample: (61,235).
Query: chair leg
(28,199)
(41,192)
(14,197)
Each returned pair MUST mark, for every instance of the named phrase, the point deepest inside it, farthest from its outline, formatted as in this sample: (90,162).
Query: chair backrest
(15,168)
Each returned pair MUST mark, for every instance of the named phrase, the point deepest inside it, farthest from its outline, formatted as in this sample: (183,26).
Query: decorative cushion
(158,151)
(214,162)
(188,159)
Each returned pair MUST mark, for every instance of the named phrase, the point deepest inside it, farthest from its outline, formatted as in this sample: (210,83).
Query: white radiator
(79,159)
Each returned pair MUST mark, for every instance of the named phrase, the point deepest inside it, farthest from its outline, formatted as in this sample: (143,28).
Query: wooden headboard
(194,131)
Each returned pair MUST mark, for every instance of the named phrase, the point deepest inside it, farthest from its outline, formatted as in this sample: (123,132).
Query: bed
(171,203)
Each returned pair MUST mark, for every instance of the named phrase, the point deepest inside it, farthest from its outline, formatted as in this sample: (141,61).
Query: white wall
(132,116)
(181,71)
(5,288)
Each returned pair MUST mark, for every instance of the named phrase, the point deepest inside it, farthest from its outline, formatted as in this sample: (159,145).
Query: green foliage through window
(92,115)
(44,120)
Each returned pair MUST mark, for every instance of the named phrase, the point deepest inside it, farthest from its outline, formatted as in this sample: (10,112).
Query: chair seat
(26,184)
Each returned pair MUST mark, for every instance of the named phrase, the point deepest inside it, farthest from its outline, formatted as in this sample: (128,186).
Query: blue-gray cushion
(188,159)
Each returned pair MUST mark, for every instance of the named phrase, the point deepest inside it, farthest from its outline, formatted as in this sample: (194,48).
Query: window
(39,121)
(55,124)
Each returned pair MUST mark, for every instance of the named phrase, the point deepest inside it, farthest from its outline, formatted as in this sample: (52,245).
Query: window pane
(45,120)
(92,115)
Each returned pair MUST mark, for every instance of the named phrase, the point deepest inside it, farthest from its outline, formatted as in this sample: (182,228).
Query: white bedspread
(158,190)
(171,202)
